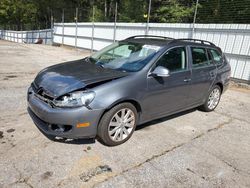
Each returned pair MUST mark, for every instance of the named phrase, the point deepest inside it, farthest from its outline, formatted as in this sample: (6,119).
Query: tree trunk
(105,9)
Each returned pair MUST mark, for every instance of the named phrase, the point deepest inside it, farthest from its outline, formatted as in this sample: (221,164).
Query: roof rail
(148,36)
(197,40)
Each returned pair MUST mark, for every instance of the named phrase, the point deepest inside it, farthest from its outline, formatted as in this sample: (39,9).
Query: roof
(163,41)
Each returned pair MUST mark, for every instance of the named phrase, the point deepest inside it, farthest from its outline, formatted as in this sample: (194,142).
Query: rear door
(203,74)
(169,94)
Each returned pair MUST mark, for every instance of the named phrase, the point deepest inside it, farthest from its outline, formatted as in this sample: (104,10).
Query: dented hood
(66,77)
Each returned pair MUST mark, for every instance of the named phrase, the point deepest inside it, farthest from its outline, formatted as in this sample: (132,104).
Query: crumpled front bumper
(44,116)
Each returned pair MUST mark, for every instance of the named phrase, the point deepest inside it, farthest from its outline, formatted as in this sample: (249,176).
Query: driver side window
(174,59)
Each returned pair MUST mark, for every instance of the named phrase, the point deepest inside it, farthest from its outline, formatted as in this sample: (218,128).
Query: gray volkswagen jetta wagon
(126,84)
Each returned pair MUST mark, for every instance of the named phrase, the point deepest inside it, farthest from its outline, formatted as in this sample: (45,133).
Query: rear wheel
(212,100)
(118,124)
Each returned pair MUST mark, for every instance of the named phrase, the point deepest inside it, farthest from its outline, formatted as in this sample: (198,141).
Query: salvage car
(126,84)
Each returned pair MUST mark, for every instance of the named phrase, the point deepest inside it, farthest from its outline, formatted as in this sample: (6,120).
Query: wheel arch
(220,85)
(134,102)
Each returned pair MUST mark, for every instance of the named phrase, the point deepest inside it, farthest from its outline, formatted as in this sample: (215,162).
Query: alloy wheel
(214,98)
(121,124)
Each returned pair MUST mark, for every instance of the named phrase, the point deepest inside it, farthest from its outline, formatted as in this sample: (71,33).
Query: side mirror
(160,72)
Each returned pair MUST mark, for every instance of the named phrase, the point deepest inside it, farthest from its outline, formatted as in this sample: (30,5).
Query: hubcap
(214,98)
(121,124)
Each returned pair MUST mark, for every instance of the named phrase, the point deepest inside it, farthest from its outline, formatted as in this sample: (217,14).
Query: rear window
(199,56)
(216,56)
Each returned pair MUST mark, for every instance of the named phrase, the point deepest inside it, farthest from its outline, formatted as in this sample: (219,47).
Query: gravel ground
(190,149)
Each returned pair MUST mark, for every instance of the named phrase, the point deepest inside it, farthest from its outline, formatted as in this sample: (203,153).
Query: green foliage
(173,11)
(224,11)
(98,15)
(36,14)
(132,11)
(17,12)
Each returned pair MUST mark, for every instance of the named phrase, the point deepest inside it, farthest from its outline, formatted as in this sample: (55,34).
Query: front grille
(41,94)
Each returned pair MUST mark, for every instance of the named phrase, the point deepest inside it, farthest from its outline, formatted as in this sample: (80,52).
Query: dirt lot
(191,149)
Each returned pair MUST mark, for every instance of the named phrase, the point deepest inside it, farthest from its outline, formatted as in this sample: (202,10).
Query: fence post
(114,37)
(93,29)
(52,27)
(76,27)
(63,27)
(149,10)
(27,39)
(195,13)
(32,36)
(46,36)
(22,37)
(243,71)
(39,34)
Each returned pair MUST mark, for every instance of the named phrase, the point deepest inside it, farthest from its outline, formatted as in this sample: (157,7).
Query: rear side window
(216,56)
(174,59)
(199,56)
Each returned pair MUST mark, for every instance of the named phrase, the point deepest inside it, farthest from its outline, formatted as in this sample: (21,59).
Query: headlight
(75,99)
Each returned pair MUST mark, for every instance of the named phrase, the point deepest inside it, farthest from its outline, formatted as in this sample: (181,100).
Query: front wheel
(212,100)
(118,124)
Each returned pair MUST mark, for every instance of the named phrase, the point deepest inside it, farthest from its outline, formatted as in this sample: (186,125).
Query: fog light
(60,128)
(79,125)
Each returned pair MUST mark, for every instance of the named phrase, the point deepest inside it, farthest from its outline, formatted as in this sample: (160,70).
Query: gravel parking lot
(190,149)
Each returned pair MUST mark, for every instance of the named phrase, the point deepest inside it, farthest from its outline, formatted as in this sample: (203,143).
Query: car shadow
(160,120)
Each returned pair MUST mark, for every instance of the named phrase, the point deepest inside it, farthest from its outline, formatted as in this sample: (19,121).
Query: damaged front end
(67,116)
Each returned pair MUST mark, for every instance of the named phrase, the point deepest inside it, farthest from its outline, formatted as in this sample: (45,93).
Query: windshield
(125,56)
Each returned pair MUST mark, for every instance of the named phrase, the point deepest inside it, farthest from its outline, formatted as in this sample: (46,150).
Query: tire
(111,129)
(215,95)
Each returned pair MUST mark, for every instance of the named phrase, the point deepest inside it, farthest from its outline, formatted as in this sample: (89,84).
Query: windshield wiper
(100,65)
(90,59)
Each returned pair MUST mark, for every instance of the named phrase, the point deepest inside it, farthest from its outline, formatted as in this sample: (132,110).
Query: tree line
(38,14)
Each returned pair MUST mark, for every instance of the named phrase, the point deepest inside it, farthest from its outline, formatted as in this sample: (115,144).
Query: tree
(172,11)
(132,10)
(224,11)
(17,12)
(36,14)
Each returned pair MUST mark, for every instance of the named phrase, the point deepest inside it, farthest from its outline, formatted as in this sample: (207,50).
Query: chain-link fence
(168,11)
(224,11)
(154,11)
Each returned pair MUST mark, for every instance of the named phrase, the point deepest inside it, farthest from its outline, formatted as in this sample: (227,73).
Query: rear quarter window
(216,56)
(199,56)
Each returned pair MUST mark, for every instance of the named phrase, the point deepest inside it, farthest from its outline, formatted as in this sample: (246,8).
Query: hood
(66,77)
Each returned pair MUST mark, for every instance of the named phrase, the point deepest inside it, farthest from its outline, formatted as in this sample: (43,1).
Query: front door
(169,94)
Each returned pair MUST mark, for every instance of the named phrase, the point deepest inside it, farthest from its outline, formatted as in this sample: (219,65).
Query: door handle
(187,80)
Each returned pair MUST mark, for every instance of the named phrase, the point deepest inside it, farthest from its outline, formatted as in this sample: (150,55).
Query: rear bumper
(45,117)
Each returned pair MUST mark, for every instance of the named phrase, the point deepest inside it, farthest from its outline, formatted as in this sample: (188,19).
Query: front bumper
(45,117)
